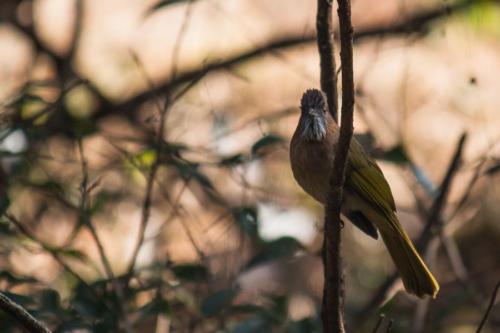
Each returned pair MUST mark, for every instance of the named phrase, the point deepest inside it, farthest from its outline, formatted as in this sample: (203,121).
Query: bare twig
(489,308)
(22,316)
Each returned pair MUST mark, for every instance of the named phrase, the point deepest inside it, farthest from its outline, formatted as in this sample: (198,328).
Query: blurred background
(145,183)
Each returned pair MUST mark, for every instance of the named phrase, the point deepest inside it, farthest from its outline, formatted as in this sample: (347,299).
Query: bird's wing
(366,180)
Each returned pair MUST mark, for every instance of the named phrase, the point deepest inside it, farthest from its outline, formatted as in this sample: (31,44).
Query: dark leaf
(191,272)
(252,325)
(20,299)
(396,155)
(156,306)
(218,301)
(74,325)
(306,325)
(6,228)
(163,4)
(71,253)
(233,160)
(190,170)
(246,218)
(493,170)
(266,141)
(50,300)
(14,279)
(283,247)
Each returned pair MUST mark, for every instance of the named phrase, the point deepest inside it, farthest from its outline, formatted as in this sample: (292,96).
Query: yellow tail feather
(416,277)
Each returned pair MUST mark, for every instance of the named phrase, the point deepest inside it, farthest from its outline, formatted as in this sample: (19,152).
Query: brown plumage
(367,199)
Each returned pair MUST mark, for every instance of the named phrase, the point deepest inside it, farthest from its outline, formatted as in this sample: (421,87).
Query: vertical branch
(324,27)
(333,292)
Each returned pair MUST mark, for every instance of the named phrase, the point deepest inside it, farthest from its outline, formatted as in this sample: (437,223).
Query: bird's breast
(311,162)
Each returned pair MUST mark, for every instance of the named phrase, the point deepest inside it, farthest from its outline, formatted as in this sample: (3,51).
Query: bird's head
(314,116)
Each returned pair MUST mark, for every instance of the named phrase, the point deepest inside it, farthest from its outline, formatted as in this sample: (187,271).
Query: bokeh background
(144,173)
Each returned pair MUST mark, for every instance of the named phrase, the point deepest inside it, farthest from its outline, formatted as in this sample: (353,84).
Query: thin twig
(22,316)
(87,221)
(489,308)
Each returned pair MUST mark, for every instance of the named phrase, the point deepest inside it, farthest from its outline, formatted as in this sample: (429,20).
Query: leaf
(6,228)
(266,141)
(396,155)
(50,301)
(4,203)
(156,306)
(191,272)
(251,325)
(87,304)
(231,161)
(246,218)
(145,158)
(163,4)
(14,279)
(306,325)
(75,325)
(71,253)
(492,170)
(283,247)
(189,170)
(218,301)
(19,299)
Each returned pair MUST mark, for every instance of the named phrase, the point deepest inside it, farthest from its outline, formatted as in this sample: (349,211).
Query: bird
(367,198)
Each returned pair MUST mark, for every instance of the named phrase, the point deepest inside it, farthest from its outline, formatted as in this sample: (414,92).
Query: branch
(22,316)
(489,308)
(333,292)
(324,28)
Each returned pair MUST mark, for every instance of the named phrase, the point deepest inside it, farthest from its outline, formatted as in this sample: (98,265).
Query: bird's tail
(416,277)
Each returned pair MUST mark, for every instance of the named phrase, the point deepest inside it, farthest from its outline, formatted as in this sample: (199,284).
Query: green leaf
(396,155)
(218,301)
(191,272)
(283,247)
(71,253)
(246,218)
(266,141)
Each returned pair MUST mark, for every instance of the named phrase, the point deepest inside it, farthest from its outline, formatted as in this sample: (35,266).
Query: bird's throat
(313,128)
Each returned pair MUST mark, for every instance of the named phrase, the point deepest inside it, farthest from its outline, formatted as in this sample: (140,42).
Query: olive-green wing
(366,180)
